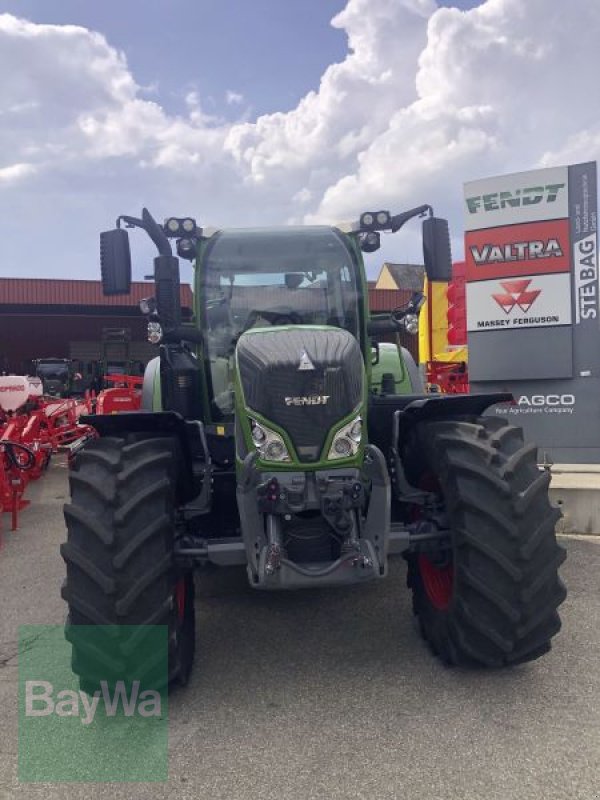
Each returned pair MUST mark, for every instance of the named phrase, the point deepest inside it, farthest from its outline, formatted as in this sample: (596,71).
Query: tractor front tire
(490,599)
(119,559)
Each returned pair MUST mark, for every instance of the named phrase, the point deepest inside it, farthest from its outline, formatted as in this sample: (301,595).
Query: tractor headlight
(346,441)
(155,333)
(269,444)
(411,323)
(276,450)
(259,435)
(356,431)
(341,447)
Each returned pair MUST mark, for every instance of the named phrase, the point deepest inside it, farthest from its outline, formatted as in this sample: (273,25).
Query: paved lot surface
(333,695)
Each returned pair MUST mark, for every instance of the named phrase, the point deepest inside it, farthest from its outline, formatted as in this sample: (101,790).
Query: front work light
(411,323)
(186,248)
(155,333)
(369,242)
(147,305)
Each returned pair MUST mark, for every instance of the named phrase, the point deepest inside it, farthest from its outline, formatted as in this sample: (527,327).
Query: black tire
(119,558)
(491,599)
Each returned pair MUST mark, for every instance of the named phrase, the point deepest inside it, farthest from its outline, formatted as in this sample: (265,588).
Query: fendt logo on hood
(308,400)
(516,294)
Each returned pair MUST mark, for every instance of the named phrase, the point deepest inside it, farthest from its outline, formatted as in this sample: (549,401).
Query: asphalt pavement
(332,694)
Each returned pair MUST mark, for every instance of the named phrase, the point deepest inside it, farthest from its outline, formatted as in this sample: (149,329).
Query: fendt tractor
(262,442)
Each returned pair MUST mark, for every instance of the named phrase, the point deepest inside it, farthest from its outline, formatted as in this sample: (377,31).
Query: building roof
(56,292)
(381,300)
(52,291)
(407,276)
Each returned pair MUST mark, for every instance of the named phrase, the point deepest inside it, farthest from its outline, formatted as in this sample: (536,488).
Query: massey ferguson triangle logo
(516,294)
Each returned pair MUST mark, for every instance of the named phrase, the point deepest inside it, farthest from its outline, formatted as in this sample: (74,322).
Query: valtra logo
(516,293)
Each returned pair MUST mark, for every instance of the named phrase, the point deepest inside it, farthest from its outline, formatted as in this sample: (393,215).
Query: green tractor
(277,434)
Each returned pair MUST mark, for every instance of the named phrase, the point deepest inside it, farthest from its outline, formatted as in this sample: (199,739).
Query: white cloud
(498,87)
(15,172)
(233,98)
(425,99)
(353,104)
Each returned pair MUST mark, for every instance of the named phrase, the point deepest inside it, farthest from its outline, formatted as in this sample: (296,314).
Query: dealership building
(43,318)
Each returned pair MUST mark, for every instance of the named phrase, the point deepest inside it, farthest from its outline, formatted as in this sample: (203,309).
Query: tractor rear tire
(491,598)
(119,558)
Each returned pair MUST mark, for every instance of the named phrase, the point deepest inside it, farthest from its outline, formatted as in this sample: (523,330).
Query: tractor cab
(272,278)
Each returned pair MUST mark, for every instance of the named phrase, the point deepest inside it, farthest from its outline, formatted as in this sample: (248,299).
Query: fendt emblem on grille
(308,400)
(305,362)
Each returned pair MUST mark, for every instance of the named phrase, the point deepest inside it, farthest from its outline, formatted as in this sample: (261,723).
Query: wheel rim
(438,582)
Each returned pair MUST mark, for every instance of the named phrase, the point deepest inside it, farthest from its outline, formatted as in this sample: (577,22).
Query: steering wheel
(281,317)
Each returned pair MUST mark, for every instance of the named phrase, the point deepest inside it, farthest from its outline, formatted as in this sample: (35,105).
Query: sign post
(533,317)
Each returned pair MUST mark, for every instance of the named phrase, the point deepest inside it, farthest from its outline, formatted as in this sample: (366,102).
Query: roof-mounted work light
(375,220)
(180,226)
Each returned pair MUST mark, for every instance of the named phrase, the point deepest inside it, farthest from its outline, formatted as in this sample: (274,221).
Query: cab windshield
(52,371)
(262,278)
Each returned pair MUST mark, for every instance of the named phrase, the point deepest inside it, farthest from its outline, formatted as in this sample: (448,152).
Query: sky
(262,112)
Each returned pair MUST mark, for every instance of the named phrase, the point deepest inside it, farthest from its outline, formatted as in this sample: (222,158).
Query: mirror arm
(398,221)
(152,228)
(130,222)
(156,233)
(382,325)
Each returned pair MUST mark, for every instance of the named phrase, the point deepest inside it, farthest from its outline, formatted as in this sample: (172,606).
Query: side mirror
(115,262)
(437,256)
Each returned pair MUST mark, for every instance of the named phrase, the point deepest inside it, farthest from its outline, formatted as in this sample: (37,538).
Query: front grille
(269,372)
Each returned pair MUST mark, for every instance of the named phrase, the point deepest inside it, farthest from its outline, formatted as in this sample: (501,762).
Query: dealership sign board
(516,199)
(519,303)
(533,315)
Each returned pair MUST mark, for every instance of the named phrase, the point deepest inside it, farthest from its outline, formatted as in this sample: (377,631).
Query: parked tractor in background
(60,376)
(269,438)
(114,359)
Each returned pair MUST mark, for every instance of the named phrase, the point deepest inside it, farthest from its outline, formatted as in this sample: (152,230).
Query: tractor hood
(304,379)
